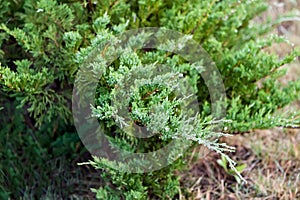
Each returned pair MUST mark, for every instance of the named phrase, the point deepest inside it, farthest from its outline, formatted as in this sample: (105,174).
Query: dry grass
(273,168)
(272,156)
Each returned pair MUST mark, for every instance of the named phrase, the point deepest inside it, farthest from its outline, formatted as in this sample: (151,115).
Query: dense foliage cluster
(44,43)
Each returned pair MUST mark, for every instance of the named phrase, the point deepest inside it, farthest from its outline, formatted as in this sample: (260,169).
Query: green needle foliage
(44,43)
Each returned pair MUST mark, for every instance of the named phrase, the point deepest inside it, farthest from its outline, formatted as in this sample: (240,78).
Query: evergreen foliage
(44,43)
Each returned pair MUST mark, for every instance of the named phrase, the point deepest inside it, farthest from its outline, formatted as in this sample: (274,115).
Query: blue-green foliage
(44,42)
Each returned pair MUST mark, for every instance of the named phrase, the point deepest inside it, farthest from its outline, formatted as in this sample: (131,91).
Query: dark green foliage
(32,160)
(43,43)
(38,42)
